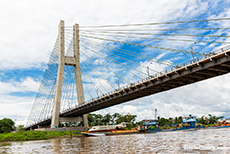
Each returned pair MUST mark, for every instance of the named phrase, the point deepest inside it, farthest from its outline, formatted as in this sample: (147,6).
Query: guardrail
(206,55)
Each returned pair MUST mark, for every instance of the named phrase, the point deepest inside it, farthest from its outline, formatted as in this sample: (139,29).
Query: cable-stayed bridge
(113,64)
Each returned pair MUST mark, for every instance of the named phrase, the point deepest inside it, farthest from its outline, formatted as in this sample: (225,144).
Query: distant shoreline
(37,135)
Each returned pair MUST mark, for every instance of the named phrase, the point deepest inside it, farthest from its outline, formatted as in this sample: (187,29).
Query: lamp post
(118,83)
(193,51)
(97,90)
(155,114)
(148,68)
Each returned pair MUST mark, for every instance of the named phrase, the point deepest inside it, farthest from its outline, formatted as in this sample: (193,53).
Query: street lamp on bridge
(97,91)
(148,68)
(118,84)
(193,51)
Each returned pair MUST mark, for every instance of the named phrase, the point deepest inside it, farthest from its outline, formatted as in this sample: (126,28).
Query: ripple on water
(161,142)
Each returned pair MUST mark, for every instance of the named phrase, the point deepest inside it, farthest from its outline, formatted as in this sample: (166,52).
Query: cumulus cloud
(202,98)
(29,30)
(17,107)
(25,85)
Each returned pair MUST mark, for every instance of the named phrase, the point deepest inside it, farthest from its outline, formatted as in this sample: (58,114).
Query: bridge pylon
(71,61)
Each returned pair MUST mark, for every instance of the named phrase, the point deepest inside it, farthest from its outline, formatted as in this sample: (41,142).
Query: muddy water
(200,141)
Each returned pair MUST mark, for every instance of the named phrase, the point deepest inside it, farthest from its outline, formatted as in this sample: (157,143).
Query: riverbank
(37,135)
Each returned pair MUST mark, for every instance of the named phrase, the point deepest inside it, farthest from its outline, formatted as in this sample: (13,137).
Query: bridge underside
(212,66)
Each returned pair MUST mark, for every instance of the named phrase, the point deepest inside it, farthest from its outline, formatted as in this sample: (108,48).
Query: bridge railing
(206,55)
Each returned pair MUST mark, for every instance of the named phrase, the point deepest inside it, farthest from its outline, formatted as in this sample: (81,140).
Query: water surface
(201,141)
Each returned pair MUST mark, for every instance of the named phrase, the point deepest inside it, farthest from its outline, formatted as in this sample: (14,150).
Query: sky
(29,30)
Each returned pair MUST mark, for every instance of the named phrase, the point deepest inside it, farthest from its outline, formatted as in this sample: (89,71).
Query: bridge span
(211,65)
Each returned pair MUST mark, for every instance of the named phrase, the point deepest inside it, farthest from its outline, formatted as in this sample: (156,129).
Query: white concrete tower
(71,61)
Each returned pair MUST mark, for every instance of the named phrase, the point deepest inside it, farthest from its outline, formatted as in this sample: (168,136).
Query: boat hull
(93,134)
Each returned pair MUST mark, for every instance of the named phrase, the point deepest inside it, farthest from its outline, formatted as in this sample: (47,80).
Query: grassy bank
(35,135)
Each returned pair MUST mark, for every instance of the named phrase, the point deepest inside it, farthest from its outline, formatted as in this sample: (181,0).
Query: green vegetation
(177,120)
(169,121)
(20,128)
(6,125)
(209,120)
(98,119)
(35,135)
(116,118)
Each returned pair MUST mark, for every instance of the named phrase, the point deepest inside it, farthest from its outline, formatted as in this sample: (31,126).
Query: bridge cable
(149,30)
(160,23)
(87,88)
(155,47)
(155,34)
(123,58)
(99,74)
(134,54)
(94,73)
(92,80)
(72,71)
(115,74)
(184,40)
(39,104)
(110,83)
(118,63)
(157,60)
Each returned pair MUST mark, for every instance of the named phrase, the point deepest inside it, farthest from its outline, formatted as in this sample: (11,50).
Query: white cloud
(29,30)
(25,85)
(15,108)
(202,98)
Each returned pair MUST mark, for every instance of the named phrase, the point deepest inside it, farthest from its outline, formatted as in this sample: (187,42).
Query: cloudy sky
(29,30)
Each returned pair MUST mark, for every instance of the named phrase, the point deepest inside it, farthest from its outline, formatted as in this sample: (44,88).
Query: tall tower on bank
(71,61)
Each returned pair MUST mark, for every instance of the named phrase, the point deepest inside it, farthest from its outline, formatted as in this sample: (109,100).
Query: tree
(170,120)
(180,119)
(203,120)
(20,128)
(175,120)
(107,119)
(98,119)
(163,122)
(213,119)
(91,119)
(158,118)
(115,118)
(129,118)
(6,125)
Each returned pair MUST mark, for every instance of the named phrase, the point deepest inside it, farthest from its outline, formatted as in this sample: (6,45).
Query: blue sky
(29,30)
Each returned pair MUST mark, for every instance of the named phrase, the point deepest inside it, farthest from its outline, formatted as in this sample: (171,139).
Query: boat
(107,128)
(188,123)
(92,134)
(150,126)
(122,132)
(224,123)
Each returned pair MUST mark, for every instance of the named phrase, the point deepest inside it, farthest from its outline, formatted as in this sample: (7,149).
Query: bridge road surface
(198,70)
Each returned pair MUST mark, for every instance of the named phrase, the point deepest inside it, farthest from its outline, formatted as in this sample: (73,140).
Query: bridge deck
(212,66)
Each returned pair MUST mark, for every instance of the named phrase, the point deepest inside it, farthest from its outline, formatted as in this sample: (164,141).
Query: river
(200,141)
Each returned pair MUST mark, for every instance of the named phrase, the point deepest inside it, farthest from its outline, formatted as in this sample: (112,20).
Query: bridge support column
(72,61)
(77,70)
(58,92)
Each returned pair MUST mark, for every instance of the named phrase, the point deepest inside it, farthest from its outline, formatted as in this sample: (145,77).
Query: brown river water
(200,141)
